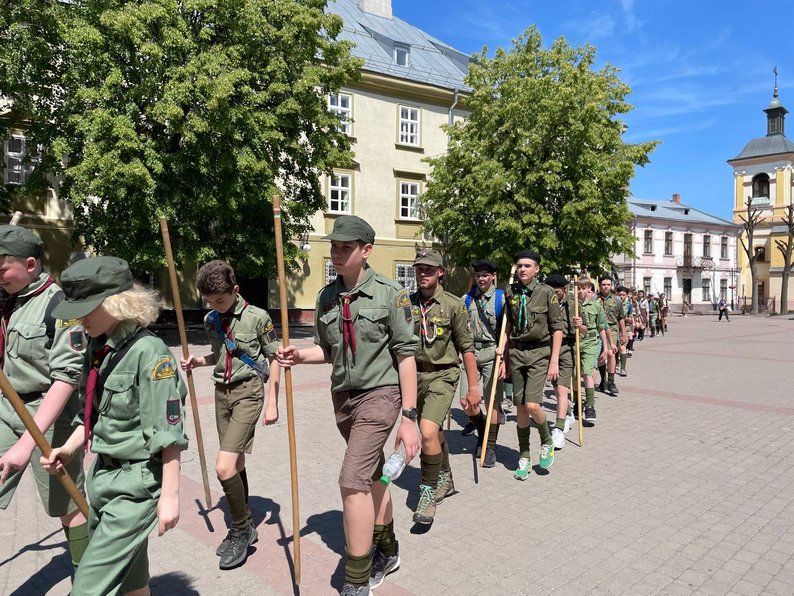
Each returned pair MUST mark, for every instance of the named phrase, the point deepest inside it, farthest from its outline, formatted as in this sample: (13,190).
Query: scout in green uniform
(133,413)
(623,294)
(593,342)
(442,326)
(534,329)
(654,312)
(563,383)
(242,339)
(484,301)
(42,358)
(363,326)
(617,329)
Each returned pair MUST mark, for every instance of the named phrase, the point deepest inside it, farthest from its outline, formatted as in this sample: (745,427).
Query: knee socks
(623,360)
(244,478)
(384,540)
(445,456)
(358,569)
(234,490)
(77,538)
(545,433)
(479,421)
(523,441)
(492,434)
(602,370)
(431,466)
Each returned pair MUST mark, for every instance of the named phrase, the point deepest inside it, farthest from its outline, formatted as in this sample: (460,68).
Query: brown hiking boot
(426,509)
(446,485)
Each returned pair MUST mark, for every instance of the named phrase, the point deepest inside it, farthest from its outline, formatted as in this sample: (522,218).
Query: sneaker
(224,545)
(590,414)
(546,455)
(490,458)
(446,485)
(612,389)
(601,387)
(351,590)
(426,509)
(557,438)
(507,404)
(524,468)
(622,372)
(469,429)
(570,422)
(383,565)
(237,551)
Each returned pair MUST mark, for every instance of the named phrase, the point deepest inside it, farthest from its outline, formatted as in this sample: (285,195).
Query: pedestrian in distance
(625,305)
(723,308)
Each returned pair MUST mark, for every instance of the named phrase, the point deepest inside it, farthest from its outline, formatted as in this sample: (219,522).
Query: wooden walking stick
(502,341)
(293,458)
(15,218)
(180,321)
(578,378)
(38,437)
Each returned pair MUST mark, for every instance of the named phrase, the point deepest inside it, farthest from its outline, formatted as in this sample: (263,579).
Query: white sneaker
(558,438)
(569,423)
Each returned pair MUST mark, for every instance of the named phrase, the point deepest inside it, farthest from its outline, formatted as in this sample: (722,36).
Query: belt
(426,367)
(569,341)
(592,334)
(29,397)
(529,345)
(483,343)
(111,462)
(232,385)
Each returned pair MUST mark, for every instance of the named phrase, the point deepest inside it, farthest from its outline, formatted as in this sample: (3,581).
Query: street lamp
(734,272)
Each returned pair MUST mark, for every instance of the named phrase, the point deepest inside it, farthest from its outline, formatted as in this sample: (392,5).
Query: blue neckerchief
(260,368)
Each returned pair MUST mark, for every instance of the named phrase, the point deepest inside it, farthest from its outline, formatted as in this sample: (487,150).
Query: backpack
(498,294)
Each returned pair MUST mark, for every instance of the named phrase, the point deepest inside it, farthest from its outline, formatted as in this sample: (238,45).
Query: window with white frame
(646,285)
(17,171)
(340,193)
(341,104)
(402,54)
(706,289)
(409,200)
(724,247)
(668,288)
(668,243)
(647,245)
(707,246)
(409,125)
(405,275)
(330,272)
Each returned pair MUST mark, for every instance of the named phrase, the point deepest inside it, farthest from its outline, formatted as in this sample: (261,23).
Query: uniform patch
(403,300)
(173,411)
(77,341)
(164,369)
(439,331)
(408,313)
(554,299)
(67,322)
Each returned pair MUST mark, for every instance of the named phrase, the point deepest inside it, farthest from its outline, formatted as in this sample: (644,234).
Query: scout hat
(555,280)
(88,282)
(484,265)
(16,241)
(429,256)
(349,228)
(527,254)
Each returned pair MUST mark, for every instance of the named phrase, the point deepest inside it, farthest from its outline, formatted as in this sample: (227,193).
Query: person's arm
(192,361)
(168,503)
(408,431)
(274,384)
(62,455)
(290,356)
(554,361)
(473,397)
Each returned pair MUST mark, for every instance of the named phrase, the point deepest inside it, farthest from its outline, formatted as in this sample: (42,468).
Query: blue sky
(701,72)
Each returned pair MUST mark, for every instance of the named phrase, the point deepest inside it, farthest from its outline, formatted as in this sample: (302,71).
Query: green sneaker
(546,455)
(446,486)
(524,468)
(426,509)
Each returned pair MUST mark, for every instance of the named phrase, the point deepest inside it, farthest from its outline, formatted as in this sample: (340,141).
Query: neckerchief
(90,390)
(348,328)
(8,309)
(424,308)
(523,298)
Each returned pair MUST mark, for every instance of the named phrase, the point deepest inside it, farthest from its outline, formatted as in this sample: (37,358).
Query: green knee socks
(358,569)
(77,538)
(523,441)
(545,433)
(493,432)
(623,360)
(384,540)
(590,400)
(431,466)
(445,456)
(234,490)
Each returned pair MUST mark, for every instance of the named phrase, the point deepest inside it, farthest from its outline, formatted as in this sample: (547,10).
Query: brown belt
(426,367)
(111,462)
(529,345)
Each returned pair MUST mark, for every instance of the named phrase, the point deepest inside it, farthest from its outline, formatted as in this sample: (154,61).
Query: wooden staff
(578,378)
(30,425)
(293,458)
(180,321)
(495,375)
(15,218)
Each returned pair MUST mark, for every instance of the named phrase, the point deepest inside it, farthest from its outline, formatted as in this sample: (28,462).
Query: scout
(134,404)
(614,312)
(625,305)
(42,358)
(363,326)
(594,344)
(534,329)
(242,339)
(562,384)
(442,326)
(485,304)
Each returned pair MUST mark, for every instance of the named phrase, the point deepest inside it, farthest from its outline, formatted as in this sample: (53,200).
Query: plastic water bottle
(394,466)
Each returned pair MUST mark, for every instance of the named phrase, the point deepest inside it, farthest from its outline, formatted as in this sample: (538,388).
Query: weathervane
(774,70)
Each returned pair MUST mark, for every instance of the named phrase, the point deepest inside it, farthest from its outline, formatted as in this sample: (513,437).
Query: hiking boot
(383,565)
(426,509)
(224,545)
(490,458)
(524,468)
(570,421)
(446,485)
(601,387)
(557,438)
(546,455)
(612,389)
(507,405)
(590,415)
(351,590)
(469,429)
(237,550)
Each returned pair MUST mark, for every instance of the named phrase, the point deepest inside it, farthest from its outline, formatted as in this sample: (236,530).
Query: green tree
(540,163)
(192,109)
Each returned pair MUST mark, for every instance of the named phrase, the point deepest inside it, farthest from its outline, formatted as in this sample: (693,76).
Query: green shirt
(382,326)
(141,405)
(251,329)
(29,362)
(482,313)
(612,308)
(594,317)
(566,315)
(541,313)
(441,324)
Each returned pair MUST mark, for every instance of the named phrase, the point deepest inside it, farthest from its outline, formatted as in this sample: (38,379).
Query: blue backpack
(498,294)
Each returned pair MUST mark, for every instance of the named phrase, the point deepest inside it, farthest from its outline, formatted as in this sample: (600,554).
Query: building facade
(683,252)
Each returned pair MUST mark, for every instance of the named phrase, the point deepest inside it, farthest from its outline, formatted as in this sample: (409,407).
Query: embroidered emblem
(554,299)
(439,331)
(173,411)
(77,341)
(164,369)
(402,299)
(67,322)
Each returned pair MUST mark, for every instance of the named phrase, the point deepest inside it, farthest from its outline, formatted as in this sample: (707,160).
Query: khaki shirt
(141,406)
(479,329)
(383,328)
(251,329)
(442,327)
(566,315)
(542,312)
(594,317)
(29,362)
(610,304)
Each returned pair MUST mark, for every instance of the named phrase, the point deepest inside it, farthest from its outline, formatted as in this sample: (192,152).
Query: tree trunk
(784,287)
(754,283)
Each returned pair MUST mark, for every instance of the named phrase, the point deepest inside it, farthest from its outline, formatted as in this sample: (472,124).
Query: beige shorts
(238,408)
(434,393)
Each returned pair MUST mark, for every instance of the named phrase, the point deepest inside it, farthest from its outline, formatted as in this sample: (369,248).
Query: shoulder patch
(554,299)
(164,369)
(67,322)
(173,412)
(403,300)
(77,341)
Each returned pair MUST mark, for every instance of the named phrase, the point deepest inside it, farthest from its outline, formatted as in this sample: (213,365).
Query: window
(401,54)
(409,200)
(647,246)
(706,289)
(724,247)
(17,171)
(409,126)
(341,104)
(724,288)
(646,285)
(668,288)
(707,246)
(668,243)
(339,193)
(760,254)
(330,272)
(761,188)
(405,275)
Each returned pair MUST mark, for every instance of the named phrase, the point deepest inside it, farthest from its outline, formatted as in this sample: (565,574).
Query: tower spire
(775,113)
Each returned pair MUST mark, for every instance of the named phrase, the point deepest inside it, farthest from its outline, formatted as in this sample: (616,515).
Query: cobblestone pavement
(685,486)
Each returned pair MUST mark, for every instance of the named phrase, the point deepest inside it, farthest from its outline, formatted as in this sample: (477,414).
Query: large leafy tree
(541,161)
(192,109)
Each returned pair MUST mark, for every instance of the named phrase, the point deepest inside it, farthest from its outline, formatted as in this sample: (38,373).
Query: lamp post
(734,271)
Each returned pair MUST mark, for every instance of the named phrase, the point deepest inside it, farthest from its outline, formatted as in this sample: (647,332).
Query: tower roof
(775,141)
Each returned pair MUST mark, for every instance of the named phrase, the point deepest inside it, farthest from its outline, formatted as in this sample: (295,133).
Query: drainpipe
(451,118)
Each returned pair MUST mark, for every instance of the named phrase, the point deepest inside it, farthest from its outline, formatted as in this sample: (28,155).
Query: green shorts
(528,370)
(485,374)
(434,393)
(567,357)
(590,349)
(238,408)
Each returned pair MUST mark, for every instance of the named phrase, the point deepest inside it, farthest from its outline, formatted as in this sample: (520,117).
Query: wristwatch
(411,413)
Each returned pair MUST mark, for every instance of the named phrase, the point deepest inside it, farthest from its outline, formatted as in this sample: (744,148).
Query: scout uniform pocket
(373,323)
(118,399)
(27,341)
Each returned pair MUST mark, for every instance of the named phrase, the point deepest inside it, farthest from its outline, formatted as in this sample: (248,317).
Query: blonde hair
(139,304)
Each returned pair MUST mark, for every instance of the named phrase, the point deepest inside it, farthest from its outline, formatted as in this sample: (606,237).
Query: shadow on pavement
(329,527)
(36,546)
(172,583)
(56,570)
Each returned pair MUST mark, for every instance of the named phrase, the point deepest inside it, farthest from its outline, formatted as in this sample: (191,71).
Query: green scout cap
(88,282)
(16,241)
(429,256)
(349,228)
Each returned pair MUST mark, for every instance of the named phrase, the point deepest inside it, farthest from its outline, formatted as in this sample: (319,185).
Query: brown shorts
(528,370)
(365,420)
(238,408)
(566,366)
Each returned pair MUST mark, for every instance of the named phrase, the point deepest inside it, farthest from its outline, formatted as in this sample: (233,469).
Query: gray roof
(763,146)
(670,210)
(431,60)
